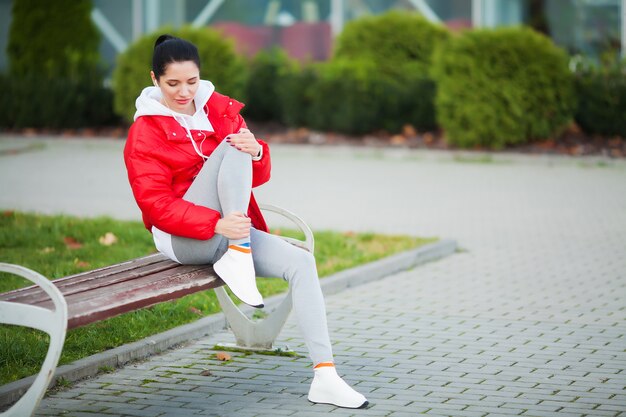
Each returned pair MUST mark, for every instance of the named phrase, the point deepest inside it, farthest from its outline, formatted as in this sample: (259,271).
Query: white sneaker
(328,388)
(236,269)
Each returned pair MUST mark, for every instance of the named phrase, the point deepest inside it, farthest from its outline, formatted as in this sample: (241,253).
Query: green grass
(40,243)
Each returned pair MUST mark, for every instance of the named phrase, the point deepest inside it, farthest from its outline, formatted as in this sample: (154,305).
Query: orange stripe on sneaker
(324,364)
(240,249)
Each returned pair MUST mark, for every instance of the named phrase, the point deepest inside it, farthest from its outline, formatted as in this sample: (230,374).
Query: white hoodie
(149,104)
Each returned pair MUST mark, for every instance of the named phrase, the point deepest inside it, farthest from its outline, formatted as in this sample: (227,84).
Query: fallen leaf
(108,239)
(82,264)
(546,144)
(47,249)
(206,372)
(409,131)
(577,150)
(398,140)
(223,356)
(303,131)
(8,213)
(195,311)
(615,142)
(72,243)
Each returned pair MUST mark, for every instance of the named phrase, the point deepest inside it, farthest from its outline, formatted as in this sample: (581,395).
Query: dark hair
(168,49)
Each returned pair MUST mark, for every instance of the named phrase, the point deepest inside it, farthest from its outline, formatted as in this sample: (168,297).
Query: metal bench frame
(262,334)
(249,334)
(255,335)
(53,322)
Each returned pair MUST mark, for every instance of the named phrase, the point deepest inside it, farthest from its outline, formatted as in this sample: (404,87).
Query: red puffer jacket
(162,164)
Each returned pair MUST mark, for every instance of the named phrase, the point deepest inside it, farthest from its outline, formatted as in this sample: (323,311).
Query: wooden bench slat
(144,294)
(115,290)
(95,283)
(63,284)
(119,287)
(115,269)
(163,280)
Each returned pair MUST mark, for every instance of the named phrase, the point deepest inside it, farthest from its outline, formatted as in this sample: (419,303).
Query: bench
(89,297)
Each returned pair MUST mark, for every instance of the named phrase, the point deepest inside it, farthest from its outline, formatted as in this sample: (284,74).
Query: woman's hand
(245,141)
(235,225)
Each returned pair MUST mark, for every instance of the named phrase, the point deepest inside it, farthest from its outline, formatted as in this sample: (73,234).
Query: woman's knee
(302,265)
(307,259)
(233,152)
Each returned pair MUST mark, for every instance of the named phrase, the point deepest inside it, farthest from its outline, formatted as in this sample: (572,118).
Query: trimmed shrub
(398,47)
(416,104)
(397,43)
(378,79)
(350,96)
(295,93)
(5,101)
(218,61)
(500,87)
(53,79)
(267,71)
(345,97)
(56,103)
(52,38)
(602,99)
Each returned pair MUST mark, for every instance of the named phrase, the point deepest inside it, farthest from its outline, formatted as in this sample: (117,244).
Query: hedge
(378,78)
(497,87)
(56,103)
(53,79)
(346,97)
(52,38)
(601,92)
(268,70)
(401,46)
(295,94)
(397,43)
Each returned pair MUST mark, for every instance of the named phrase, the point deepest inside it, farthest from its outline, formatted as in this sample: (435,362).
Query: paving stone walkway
(528,319)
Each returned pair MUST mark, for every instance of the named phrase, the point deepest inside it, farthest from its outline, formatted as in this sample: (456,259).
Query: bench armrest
(53,322)
(309,241)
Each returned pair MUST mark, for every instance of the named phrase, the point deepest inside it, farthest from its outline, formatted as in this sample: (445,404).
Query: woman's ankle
(324,365)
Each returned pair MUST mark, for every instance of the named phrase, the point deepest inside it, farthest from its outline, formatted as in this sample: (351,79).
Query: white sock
(236,269)
(328,388)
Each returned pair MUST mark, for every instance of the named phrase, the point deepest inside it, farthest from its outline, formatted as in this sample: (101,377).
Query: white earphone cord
(193,142)
(185,125)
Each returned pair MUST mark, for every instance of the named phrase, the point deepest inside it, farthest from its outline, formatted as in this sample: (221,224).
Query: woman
(192,164)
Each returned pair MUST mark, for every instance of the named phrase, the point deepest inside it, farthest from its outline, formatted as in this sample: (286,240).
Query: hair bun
(168,49)
(162,39)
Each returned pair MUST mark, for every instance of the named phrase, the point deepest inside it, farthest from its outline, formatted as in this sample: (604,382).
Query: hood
(149,101)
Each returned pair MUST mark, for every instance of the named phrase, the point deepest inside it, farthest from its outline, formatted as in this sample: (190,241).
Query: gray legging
(224,184)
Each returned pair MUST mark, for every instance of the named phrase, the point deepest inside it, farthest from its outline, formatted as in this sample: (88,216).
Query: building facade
(305,28)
